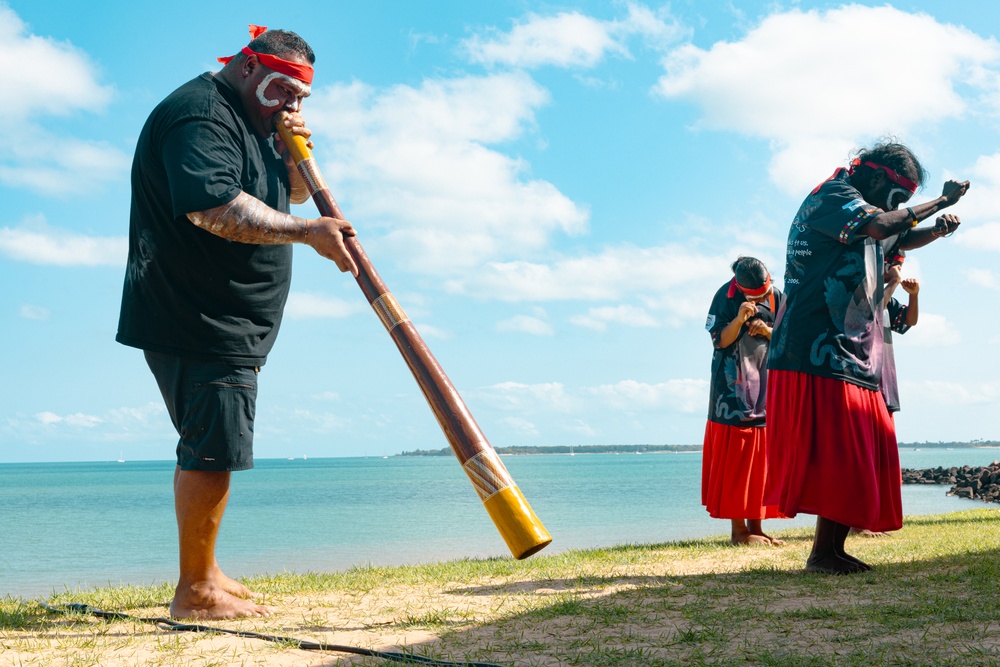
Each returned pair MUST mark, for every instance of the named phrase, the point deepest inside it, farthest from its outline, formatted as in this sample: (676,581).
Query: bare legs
(203,591)
(749,532)
(828,555)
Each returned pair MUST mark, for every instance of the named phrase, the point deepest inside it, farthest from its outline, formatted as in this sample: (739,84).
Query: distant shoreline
(560,449)
(668,449)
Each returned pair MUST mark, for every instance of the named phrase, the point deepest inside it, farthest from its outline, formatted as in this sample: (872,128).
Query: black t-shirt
(187,291)
(831,325)
(739,372)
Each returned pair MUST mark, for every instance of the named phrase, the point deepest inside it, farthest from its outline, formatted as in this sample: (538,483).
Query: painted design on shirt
(830,325)
(852,314)
(739,371)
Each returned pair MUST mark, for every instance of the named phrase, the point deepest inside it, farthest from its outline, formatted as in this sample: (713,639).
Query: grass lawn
(933,599)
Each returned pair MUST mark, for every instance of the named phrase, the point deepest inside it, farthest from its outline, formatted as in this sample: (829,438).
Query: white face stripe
(301,89)
(903,194)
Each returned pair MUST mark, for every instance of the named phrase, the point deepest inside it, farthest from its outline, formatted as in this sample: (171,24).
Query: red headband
(753,293)
(893,176)
(303,73)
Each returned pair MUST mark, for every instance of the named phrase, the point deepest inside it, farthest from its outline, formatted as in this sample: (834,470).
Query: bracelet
(913,216)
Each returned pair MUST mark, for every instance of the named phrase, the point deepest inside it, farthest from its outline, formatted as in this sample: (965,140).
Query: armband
(913,217)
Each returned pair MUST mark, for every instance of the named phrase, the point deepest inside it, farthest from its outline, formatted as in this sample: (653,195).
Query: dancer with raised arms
(832,442)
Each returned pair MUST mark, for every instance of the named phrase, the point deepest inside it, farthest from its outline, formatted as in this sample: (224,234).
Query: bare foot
(209,601)
(834,564)
(864,532)
(773,541)
(234,587)
(749,539)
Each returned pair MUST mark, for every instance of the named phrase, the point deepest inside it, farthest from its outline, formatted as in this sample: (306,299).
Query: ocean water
(65,526)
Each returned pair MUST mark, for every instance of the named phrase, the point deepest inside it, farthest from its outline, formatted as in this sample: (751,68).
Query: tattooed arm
(247,219)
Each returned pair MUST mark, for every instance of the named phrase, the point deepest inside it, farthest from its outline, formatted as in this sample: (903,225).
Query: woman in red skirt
(832,443)
(734,458)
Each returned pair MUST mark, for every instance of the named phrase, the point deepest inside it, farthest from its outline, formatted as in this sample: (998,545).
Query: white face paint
(899,195)
(300,89)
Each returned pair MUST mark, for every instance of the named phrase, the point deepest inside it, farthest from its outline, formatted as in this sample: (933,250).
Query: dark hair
(895,156)
(280,42)
(750,272)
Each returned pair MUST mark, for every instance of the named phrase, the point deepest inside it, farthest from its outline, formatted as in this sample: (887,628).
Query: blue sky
(552,191)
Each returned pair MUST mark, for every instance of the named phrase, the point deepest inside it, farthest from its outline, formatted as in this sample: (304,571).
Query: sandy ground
(439,621)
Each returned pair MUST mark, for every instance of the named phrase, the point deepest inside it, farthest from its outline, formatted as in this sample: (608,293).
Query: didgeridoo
(506,505)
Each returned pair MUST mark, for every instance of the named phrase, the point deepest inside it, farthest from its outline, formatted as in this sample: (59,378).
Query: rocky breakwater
(982,483)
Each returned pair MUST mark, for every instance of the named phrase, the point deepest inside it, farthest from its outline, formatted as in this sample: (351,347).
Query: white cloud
(305,305)
(80,419)
(317,422)
(48,418)
(599,318)
(580,427)
(818,83)
(672,283)
(128,418)
(979,204)
(60,81)
(417,163)
(571,39)
(30,312)
(430,331)
(37,243)
(564,40)
(980,228)
(931,331)
(60,78)
(945,392)
(76,419)
(684,395)
(142,424)
(526,324)
(552,404)
(984,278)
(980,201)
(607,275)
(983,237)
(521,426)
(76,168)
(531,397)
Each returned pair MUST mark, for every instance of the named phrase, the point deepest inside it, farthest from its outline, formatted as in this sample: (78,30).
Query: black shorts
(212,407)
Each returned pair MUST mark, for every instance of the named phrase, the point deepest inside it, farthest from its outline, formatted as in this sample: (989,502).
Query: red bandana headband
(303,73)
(902,181)
(753,293)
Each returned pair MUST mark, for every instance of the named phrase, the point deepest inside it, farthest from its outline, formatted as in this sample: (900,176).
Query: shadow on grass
(913,609)
(922,605)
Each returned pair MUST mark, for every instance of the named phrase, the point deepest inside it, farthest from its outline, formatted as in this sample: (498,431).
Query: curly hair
(750,272)
(895,156)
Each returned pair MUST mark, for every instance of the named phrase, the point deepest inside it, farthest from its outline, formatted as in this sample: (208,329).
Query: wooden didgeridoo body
(506,505)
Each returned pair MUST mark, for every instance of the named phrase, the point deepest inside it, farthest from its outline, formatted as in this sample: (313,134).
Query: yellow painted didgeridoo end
(517,523)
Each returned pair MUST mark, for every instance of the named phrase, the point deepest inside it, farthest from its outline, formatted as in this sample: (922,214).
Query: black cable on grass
(175,626)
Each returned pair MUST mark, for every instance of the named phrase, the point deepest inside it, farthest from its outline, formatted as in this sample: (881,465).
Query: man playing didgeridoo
(832,444)
(208,274)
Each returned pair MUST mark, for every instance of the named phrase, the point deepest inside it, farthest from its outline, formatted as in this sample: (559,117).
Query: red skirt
(733,469)
(832,452)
